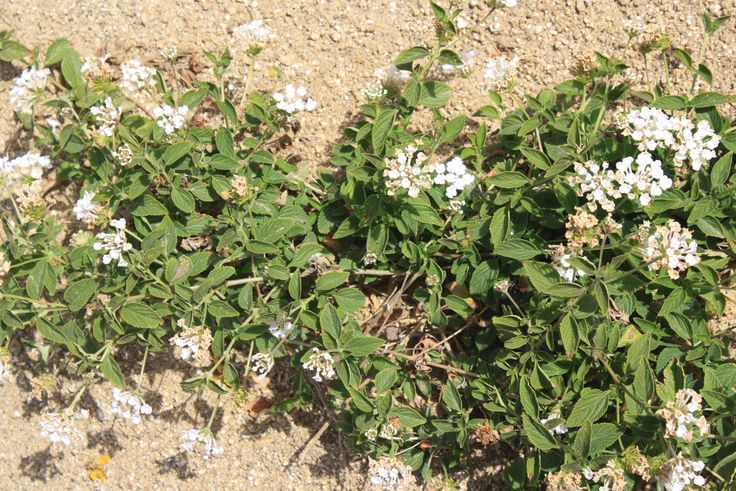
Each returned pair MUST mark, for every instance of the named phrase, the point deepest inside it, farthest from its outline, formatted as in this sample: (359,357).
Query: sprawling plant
(550,273)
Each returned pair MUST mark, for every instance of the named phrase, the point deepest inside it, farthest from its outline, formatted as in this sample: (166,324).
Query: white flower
(390,474)
(262,363)
(374,90)
(85,209)
(453,174)
(634,27)
(467,57)
(669,247)
(397,77)
(560,429)
(59,429)
(170,119)
(388,431)
(408,170)
(192,438)
(192,343)
(107,116)
(123,155)
(292,101)
(136,77)
(561,256)
(280,331)
(28,87)
(255,31)
(612,477)
(169,53)
(680,416)
(500,71)
(597,183)
(698,148)
(646,182)
(21,172)
(114,244)
(322,363)
(679,474)
(129,406)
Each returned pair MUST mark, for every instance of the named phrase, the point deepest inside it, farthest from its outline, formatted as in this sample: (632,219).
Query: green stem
(143,368)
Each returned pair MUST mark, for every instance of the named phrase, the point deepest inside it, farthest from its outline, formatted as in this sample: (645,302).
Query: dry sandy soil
(332,47)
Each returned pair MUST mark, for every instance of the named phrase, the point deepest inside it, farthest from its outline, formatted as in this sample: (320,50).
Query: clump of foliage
(548,270)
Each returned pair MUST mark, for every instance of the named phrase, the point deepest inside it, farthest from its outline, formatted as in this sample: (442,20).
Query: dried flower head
(669,247)
(611,477)
(261,363)
(485,435)
(192,343)
(564,481)
(679,474)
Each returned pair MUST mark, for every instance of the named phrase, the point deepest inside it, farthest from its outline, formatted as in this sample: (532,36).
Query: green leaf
(670,102)
(721,170)
(78,293)
(569,335)
(385,380)
(183,199)
(591,405)
(483,278)
(538,434)
(408,417)
(71,68)
(55,51)
(140,315)
(111,370)
(177,151)
(528,398)
(451,397)
(508,179)
(411,54)
(218,308)
(582,444)
(330,323)
(381,128)
(434,94)
(603,435)
(330,281)
(350,299)
(37,279)
(149,206)
(459,306)
(259,247)
(363,345)
(518,249)
(12,50)
(536,158)
(451,130)
(708,99)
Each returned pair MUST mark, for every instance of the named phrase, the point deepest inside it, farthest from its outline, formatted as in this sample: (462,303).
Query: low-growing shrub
(550,273)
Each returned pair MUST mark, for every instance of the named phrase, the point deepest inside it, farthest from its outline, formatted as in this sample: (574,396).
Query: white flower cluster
(390,474)
(669,247)
(611,477)
(192,343)
(261,363)
(170,119)
(136,77)
(191,439)
(292,101)
(255,31)
(28,87)
(20,172)
(454,175)
(651,128)
(279,331)
(560,256)
(322,363)
(94,66)
(409,170)
(59,429)
(85,209)
(644,183)
(500,71)
(602,185)
(680,416)
(560,429)
(467,57)
(107,116)
(114,245)
(129,406)
(123,155)
(679,474)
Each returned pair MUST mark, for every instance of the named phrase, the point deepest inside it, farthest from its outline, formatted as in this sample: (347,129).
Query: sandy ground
(332,47)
